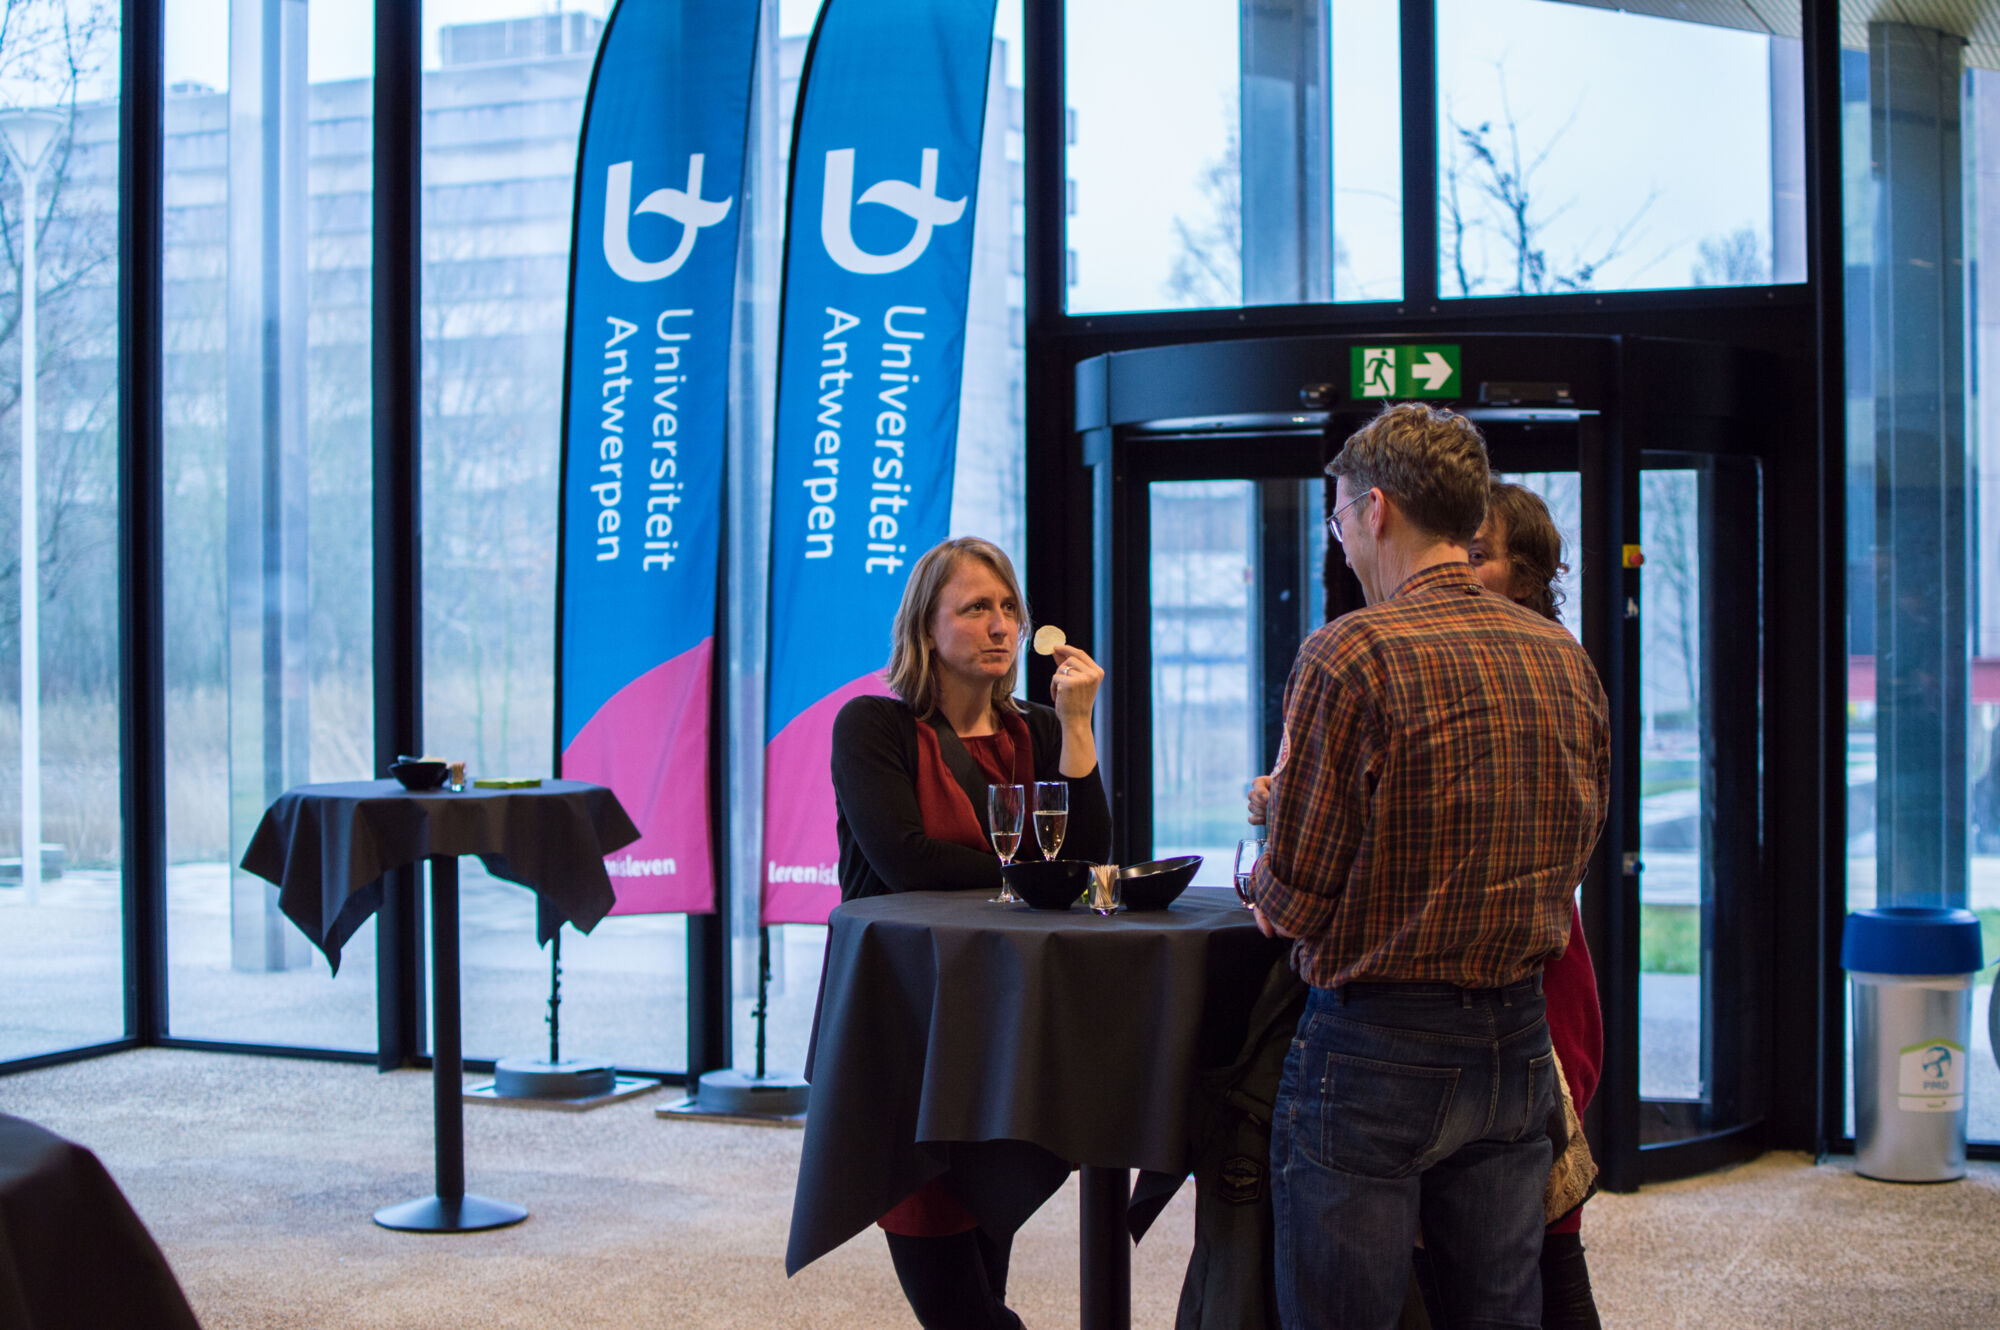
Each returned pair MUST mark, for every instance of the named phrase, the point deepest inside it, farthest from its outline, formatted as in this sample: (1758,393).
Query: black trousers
(957,1282)
(1567,1303)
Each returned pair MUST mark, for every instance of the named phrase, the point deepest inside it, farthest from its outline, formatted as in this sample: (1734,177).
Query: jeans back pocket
(1382,1119)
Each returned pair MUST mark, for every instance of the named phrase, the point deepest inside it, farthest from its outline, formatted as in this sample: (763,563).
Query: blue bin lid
(1912,940)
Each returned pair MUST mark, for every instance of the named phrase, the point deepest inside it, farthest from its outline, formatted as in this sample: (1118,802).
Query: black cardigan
(883,847)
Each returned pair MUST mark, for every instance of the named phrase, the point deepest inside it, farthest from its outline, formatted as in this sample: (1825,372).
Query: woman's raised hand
(1074,687)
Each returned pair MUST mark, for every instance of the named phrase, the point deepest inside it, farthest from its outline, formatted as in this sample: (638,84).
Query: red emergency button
(1634,557)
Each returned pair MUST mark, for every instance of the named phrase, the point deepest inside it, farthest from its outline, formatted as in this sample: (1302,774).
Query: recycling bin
(1911,971)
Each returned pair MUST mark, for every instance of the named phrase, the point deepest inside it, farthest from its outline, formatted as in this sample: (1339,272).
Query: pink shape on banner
(801,848)
(649,744)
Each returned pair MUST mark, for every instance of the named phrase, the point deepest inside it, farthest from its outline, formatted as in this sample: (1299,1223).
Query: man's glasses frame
(1333,520)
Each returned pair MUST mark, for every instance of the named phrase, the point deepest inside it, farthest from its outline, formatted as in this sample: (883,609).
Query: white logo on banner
(919,202)
(685,206)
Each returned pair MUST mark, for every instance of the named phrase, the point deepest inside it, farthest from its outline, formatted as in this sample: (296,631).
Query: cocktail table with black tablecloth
(73,1256)
(327,847)
(1004,1044)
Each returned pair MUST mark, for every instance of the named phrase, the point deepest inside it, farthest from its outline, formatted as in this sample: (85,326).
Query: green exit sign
(1404,371)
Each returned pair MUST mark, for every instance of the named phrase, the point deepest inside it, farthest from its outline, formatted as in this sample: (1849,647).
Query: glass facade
(1223,154)
(61,949)
(1218,157)
(267,504)
(1920,165)
(1588,149)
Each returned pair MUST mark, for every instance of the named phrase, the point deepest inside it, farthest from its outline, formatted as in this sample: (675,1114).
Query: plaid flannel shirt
(1447,777)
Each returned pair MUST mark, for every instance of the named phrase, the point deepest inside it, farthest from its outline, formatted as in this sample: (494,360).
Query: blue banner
(652,279)
(878,257)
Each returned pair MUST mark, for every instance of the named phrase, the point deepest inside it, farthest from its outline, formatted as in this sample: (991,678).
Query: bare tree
(1496,189)
(47,55)
(1208,269)
(1736,258)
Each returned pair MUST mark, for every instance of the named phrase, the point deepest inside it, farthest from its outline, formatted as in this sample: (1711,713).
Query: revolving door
(1214,564)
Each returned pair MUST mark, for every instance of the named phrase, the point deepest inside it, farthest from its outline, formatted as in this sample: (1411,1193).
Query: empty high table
(327,847)
(1005,1044)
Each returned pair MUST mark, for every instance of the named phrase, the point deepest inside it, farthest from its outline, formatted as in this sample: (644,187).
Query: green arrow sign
(1404,371)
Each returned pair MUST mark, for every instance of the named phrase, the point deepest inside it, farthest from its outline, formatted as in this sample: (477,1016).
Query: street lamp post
(27,135)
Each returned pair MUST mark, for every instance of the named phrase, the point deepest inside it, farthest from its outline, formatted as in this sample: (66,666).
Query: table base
(1105,1248)
(434,1214)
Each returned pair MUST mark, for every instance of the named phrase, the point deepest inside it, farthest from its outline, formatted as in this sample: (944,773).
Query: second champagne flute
(1006,808)
(1051,815)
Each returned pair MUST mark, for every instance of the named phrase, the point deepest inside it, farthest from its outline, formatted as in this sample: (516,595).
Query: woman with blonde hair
(909,783)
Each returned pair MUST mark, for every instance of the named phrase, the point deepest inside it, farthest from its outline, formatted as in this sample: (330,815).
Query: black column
(396,375)
(141,662)
(1058,485)
(1420,156)
(1915,78)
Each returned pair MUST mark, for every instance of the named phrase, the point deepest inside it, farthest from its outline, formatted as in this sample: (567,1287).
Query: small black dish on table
(416,774)
(1155,884)
(1048,884)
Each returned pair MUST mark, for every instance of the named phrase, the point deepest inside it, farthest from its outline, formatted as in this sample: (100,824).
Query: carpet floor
(258,1176)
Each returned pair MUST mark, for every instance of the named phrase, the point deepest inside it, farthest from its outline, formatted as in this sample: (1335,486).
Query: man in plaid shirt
(1446,779)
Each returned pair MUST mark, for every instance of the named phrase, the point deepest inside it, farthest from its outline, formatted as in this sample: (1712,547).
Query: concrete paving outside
(623,986)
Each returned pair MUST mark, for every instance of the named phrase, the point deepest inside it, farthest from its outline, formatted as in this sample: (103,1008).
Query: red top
(931,1211)
(1576,1028)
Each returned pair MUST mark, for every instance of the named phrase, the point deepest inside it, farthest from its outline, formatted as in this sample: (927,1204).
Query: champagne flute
(1248,851)
(1051,815)
(1005,807)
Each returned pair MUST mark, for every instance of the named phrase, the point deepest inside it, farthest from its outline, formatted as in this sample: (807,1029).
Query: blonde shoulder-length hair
(912,671)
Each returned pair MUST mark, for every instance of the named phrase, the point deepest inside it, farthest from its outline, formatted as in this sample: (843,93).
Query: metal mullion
(1826,273)
(141,656)
(396,347)
(1420,153)
(1058,485)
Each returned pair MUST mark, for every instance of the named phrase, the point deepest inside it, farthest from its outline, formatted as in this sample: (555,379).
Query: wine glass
(1006,805)
(1248,851)
(1051,815)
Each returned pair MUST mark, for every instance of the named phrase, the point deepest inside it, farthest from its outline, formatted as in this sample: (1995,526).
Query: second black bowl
(1154,885)
(1048,884)
(417,774)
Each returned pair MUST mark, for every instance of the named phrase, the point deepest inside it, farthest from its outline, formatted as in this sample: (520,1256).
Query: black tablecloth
(1005,1044)
(73,1256)
(327,846)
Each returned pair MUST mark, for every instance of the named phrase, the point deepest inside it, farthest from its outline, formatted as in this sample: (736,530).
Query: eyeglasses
(1333,522)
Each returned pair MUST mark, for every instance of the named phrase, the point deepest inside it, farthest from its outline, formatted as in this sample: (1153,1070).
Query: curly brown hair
(1534,546)
(1432,462)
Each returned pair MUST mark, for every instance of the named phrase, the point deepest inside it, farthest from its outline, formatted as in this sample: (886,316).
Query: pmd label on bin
(1932,1077)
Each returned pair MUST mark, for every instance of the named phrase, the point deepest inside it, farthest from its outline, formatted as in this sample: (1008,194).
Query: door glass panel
(1703,993)
(1236,574)
(1204,729)
(1670,795)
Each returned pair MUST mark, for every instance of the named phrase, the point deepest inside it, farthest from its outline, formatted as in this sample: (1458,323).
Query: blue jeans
(1408,1109)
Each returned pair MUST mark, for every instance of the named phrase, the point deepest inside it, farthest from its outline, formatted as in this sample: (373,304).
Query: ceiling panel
(1978,21)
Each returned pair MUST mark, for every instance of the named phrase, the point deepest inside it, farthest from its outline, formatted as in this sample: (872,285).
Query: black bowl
(416,774)
(1154,885)
(1048,884)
